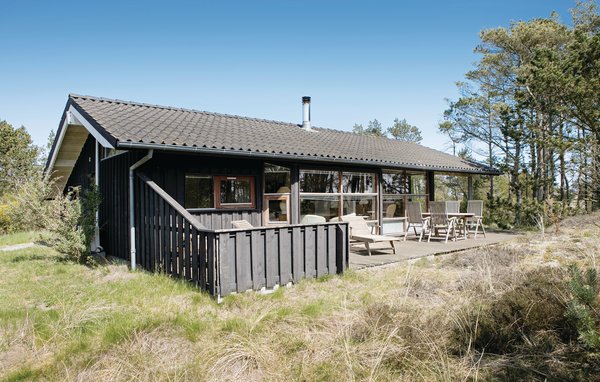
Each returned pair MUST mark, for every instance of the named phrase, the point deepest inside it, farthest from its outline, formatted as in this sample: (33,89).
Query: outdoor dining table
(459,216)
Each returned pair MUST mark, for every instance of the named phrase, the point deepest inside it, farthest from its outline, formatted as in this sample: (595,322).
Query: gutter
(306,158)
(132,251)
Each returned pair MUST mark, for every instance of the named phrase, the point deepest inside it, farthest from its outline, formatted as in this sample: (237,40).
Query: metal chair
(415,219)
(441,221)
(476,208)
(452,206)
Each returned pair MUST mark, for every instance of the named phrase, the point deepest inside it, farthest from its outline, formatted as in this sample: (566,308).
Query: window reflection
(235,191)
(319,181)
(277,179)
(199,191)
(354,182)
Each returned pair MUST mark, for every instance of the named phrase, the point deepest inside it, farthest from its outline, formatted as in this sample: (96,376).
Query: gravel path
(16,247)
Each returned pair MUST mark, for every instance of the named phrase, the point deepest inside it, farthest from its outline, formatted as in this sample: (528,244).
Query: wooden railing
(169,239)
(267,256)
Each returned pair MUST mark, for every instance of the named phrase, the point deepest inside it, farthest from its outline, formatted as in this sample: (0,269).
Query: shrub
(5,223)
(71,222)
(584,307)
(69,219)
(530,315)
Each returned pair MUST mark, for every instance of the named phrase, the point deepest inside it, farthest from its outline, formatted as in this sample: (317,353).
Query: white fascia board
(73,117)
(90,128)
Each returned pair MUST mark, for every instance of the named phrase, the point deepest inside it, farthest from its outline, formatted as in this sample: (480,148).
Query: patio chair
(475,207)
(441,221)
(360,231)
(415,219)
(390,211)
(452,206)
(312,219)
(241,224)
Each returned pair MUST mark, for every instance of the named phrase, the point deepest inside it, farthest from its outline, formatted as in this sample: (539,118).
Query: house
(172,181)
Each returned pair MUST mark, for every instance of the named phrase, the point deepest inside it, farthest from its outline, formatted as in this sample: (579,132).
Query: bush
(583,310)
(530,315)
(545,326)
(5,223)
(69,220)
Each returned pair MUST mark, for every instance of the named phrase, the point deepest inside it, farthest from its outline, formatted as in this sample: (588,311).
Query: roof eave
(295,157)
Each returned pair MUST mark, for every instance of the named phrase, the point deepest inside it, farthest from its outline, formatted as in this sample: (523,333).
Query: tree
(531,107)
(403,131)
(18,156)
(373,128)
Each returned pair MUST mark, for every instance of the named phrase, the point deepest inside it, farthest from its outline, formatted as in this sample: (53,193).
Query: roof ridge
(156,106)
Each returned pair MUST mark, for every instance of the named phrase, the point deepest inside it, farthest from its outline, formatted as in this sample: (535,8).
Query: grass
(18,238)
(408,322)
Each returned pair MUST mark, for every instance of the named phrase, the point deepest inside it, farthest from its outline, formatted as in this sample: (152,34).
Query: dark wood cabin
(194,172)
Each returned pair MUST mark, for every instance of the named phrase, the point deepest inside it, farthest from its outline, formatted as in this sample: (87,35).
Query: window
(319,181)
(234,191)
(206,191)
(276,206)
(399,188)
(277,179)
(358,183)
(333,193)
(199,191)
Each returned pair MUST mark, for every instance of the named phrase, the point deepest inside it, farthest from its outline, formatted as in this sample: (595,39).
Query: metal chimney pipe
(306,113)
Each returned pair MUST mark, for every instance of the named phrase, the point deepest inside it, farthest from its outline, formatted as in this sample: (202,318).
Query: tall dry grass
(419,321)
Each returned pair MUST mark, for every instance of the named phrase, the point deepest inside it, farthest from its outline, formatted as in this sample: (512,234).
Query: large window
(206,191)
(330,194)
(314,181)
(401,187)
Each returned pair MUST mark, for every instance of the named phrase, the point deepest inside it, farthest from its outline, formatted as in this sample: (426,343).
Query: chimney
(306,113)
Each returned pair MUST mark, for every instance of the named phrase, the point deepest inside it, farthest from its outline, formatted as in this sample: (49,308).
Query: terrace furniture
(312,219)
(441,221)
(415,218)
(476,208)
(390,211)
(241,224)
(360,231)
(452,206)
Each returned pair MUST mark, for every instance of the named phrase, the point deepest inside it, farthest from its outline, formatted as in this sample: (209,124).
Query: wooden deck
(412,249)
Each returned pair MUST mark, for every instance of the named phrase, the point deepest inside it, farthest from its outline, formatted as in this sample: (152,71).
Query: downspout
(137,164)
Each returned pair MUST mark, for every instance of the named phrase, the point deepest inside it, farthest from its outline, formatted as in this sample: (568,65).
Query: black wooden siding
(168,171)
(84,170)
(114,208)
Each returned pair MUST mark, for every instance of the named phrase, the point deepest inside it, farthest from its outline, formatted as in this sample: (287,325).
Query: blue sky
(359,60)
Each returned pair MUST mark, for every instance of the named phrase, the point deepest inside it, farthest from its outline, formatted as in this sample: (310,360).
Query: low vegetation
(527,309)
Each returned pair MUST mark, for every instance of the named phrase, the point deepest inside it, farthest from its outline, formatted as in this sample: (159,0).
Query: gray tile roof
(130,124)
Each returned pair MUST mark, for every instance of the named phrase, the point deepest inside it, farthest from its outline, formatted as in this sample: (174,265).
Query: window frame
(217,179)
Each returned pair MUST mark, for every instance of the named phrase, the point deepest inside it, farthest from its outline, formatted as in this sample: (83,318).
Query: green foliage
(530,108)
(403,131)
(72,222)
(584,307)
(68,220)
(400,130)
(374,128)
(18,156)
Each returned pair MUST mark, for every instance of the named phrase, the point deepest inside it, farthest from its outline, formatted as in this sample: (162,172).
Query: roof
(129,125)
